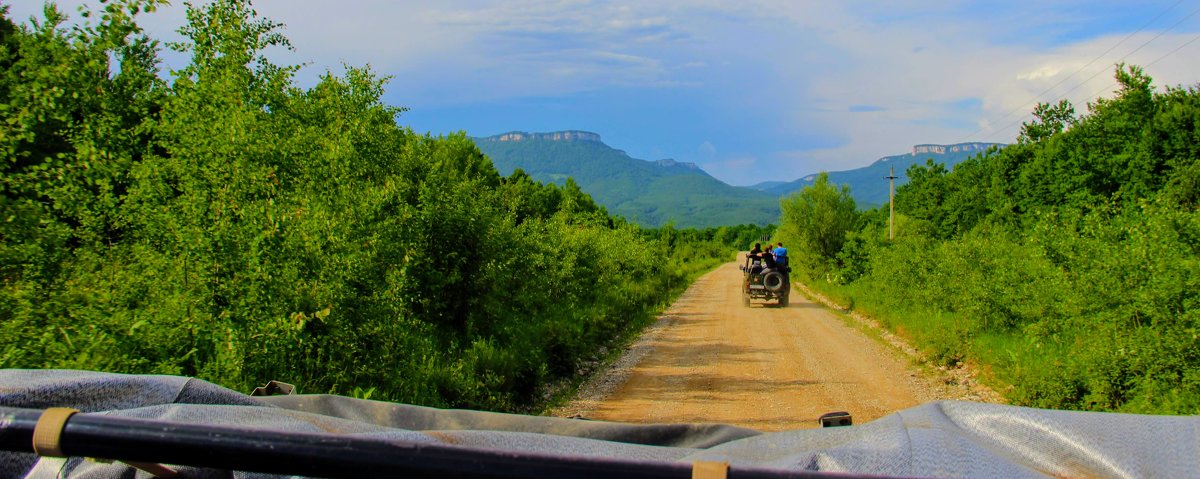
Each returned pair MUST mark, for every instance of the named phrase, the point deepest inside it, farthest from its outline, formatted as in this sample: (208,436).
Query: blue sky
(750,90)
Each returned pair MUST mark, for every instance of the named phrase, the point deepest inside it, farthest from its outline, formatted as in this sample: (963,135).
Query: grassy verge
(919,334)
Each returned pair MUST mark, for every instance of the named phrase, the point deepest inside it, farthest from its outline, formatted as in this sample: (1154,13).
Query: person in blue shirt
(780,255)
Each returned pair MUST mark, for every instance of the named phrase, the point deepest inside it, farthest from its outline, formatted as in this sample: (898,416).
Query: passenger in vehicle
(780,254)
(755,256)
(768,258)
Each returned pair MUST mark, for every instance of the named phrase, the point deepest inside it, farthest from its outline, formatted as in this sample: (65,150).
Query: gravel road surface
(711,359)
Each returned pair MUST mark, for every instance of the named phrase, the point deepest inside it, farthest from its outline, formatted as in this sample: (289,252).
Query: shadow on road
(804,305)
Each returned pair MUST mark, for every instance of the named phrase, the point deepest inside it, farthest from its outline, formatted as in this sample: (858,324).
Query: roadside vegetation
(1066,265)
(219,221)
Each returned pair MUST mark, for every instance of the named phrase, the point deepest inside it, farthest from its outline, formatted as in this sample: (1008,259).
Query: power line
(1110,49)
(1127,55)
(1108,88)
(1172,27)
(1172,52)
(1114,47)
(1088,64)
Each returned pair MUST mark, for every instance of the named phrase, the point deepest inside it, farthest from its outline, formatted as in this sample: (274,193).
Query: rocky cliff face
(682,164)
(575,135)
(943,149)
(864,182)
(569,135)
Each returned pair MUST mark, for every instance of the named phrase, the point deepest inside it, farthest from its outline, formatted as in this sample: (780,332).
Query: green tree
(1048,121)
(816,219)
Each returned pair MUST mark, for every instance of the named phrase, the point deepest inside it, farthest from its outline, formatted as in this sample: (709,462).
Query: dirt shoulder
(711,359)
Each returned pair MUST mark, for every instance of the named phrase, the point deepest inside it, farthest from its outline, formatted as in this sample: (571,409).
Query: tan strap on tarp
(48,431)
(709,470)
(47,439)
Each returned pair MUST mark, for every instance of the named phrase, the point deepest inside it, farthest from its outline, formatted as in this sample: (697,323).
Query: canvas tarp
(938,439)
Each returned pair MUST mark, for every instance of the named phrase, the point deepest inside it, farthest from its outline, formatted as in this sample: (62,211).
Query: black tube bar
(325,455)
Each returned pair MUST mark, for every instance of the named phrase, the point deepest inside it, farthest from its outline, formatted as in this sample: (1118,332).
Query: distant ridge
(766,185)
(654,193)
(565,135)
(577,135)
(685,164)
(955,148)
(867,184)
(650,193)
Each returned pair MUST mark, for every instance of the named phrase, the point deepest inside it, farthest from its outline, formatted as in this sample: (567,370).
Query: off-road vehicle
(760,282)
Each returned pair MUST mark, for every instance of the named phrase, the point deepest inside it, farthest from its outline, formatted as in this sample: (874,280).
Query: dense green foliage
(1068,265)
(651,194)
(816,220)
(221,222)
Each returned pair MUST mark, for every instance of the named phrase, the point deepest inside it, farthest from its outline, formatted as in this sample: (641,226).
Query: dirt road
(711,359)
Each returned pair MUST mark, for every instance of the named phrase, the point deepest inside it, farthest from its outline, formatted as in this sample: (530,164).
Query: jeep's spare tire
(773,281)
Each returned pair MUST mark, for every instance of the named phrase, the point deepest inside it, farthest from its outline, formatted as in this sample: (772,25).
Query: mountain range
(650,193)
(869,186)
(655,193)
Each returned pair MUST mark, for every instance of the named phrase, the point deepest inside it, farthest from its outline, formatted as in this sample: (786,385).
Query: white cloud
(1043,72)
(942,82)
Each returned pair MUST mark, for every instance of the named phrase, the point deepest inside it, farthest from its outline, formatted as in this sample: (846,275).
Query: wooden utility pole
(891,202)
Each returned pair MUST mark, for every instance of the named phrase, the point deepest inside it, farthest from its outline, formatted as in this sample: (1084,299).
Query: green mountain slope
(651,193)
(868,184)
